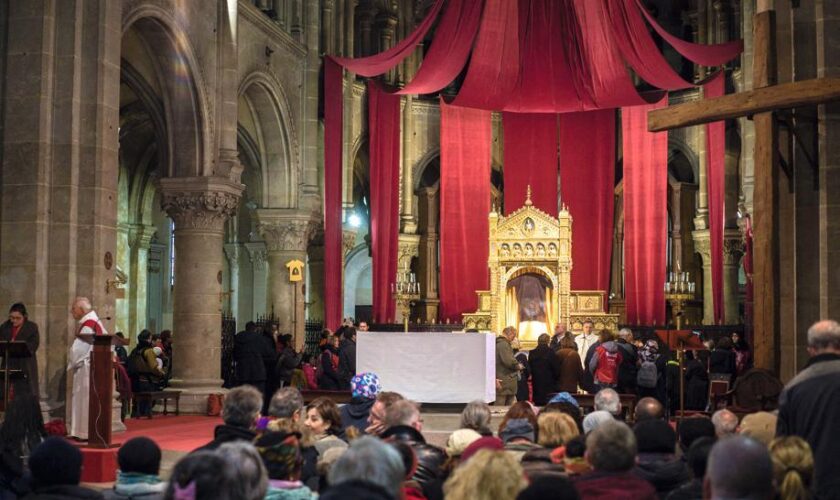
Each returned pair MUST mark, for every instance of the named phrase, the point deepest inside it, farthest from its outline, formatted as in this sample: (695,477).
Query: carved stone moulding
(285,231)
(200,203)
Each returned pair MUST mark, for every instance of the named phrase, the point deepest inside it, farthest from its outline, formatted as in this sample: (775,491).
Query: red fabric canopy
(530,153)
(333,267)
(384,131)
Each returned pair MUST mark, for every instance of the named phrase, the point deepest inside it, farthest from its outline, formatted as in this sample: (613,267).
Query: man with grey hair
(739,467)
(403,412)
(725,422)
(809,406)
(367,469)
(608,400)
(79,365)
(287,404)
(239,415)
(647,409)
(611,451)
(507,368)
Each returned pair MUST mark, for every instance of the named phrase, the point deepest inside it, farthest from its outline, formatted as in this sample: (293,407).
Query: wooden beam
(786,95)
(766,297)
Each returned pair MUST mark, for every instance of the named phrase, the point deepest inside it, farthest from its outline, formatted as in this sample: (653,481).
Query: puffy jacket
(605,363)
(430,459)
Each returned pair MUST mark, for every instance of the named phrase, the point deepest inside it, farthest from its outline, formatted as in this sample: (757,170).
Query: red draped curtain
(530,160)
(333,261)
(384,133)
(465,139)
(587,184)
(645,215)
(715,180)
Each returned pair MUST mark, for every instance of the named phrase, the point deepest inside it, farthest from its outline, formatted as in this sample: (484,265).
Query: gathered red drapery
(645,215)
(465,140)
(587,184)
(715,182)
(530,160)
(333,267)
(384,133)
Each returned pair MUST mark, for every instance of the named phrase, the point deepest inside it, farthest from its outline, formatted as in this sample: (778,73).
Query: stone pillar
(327,27)
(286,237)
(199,206)
(386,22)
(258,255)
(733,249)
(315,273)
(702,245)
(407,217)
(349,22)
(232,252)
(366,16)
(428,254)
(139,241)
(311,143)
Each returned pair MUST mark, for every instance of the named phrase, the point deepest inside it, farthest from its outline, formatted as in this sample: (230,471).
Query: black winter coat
(347,362)
(63,492)
(628,369)
(545,372)
(430,459)
(249,349)
(356,413)
(328,378)
(227,434)
(665,471)
(810,408)
(28,333)
(722,361)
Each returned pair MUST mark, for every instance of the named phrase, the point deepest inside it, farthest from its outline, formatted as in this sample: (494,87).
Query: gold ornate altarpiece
(529,241)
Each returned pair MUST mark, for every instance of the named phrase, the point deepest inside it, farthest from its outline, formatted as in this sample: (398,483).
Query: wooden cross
(759,103)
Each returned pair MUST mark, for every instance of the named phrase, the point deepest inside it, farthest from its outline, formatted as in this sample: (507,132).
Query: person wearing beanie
(519,436)
(280,452)
(657,460)
(137,477)
(760,426)
(595,419)
(56,467)
(459,440)
(694,428)
(364,388)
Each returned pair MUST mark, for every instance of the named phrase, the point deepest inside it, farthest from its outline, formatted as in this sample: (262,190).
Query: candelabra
(678,290)
(406,291)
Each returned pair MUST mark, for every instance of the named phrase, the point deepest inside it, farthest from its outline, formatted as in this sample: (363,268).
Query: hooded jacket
(605,363)
(355,414)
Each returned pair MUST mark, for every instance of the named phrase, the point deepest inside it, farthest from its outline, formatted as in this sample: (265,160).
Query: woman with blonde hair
(487,475)
(793,467)
(555,429)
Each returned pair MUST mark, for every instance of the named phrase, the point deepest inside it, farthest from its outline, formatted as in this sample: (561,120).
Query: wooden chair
(755,390)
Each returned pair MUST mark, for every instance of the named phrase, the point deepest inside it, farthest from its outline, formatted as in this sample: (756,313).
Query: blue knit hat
(564,397)
(365,386)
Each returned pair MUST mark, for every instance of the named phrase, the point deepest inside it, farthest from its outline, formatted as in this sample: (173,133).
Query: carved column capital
(140,235)
(202,203)
(409,247)
(257,254)
(702,245)
(285,231)
(733,248)
(232,252)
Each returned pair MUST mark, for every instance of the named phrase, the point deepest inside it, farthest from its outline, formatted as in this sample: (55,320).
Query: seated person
(56,467)
(239,413)
(137,477)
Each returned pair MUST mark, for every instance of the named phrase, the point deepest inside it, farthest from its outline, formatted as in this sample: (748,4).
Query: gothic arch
(187,119)
(420,165)
(268,111)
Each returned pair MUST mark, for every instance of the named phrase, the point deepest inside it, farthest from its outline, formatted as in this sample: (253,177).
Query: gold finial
(528,202)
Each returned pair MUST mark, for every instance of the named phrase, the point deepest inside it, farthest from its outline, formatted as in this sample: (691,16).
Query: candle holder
(406,291)
(679,289)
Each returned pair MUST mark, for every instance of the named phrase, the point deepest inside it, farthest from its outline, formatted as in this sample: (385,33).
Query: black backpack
(136,364)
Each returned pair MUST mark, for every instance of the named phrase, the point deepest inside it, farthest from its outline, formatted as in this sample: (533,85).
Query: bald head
(824,337)
(739,467)
(725,422)
(649,409)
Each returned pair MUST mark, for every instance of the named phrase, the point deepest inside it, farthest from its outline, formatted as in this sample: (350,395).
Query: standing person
(120,351)
(287,361)
(79,365)
(248,350)
(347,357)
(559,333)
(19,328)
(650,379)
(585,348)
(522,388)
(328,378)
(722,361)
(363,326)
(269,359)
(545,370)
(507,368)
(605,362)
(570,366)
(743,356)
(809,406)
(628,370)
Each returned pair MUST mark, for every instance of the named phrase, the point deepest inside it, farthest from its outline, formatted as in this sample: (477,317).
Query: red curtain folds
(333,272)
(707,55)
(530,160)
(450,48)
(384,131)
(465,139)
(587,184)
(715,180)
(380,63)
(645,215)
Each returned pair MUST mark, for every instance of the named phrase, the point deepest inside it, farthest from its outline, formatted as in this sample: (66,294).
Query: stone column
(139,241)
(366,16)
(702,245)
(733,249)
(286,237)
(349,22)
(258,255)
(232,252)
(327,27)
(386,22)
(199,206)
(408,219)
(427,255)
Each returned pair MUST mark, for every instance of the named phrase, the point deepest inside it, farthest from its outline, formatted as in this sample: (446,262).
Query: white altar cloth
(431,367)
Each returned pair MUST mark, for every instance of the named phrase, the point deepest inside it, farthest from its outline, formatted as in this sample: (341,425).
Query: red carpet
(183,433)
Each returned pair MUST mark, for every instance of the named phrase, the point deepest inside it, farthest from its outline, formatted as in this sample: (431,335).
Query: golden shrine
(530,263)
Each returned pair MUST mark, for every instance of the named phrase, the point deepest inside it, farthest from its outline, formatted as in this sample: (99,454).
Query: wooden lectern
(16,349)
(101,388)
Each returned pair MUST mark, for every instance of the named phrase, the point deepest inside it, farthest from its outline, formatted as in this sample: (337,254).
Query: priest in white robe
(79,366)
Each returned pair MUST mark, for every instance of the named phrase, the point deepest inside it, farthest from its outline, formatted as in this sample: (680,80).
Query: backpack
(136,364)
(647,375)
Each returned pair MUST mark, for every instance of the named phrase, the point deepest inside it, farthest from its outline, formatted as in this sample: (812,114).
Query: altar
(431,367)
(530,263)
